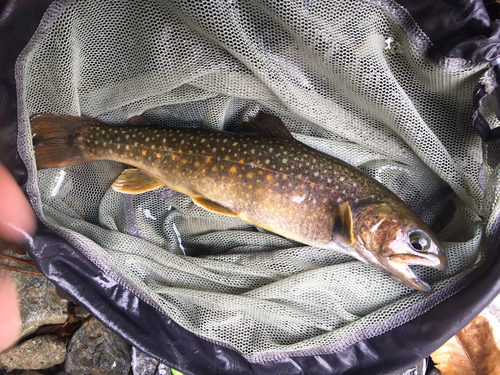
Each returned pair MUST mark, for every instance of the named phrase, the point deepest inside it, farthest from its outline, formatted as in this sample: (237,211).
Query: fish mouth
(398,267)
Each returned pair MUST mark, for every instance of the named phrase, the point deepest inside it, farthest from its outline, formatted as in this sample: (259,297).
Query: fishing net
(349,78)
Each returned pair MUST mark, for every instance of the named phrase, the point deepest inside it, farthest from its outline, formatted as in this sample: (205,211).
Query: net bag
(374,83)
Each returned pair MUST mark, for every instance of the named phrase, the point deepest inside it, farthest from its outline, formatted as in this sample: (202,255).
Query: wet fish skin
(266,178)
(393,239)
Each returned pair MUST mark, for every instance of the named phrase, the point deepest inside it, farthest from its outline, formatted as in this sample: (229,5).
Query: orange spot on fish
(174,157)
(127,147)
(158,155)
(233,169)
(284,177)
(269,177)
(170,149)
(223,177)
(226,157)
(242,161)
(249,186)
(269,191)
(144,152)
(260,172)
(197,164)
(278,196)
(325,200)
(184,161)
(312,184)
(190,152)
(209,158)
(214,168)
(180,151)
(259,190)
(250,175)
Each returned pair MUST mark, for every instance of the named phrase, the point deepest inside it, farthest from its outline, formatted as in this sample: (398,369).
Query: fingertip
(10,315)
(17,219)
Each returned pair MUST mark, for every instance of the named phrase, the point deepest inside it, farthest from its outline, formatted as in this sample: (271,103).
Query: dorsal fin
(267,124)
(138,120)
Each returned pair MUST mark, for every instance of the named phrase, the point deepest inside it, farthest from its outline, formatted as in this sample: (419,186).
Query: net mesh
(344,76)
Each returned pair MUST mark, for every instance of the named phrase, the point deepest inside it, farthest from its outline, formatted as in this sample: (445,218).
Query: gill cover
(393,238)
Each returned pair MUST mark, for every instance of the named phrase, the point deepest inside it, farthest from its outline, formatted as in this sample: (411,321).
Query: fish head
(393,238)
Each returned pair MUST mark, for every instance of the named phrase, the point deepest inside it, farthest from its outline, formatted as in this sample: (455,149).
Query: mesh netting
(344,76)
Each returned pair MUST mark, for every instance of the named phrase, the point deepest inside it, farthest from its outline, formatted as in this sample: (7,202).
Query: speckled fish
(263,176)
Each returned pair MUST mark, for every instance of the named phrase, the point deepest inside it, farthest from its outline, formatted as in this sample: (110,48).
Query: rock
(94,349)
(9,248)
(37,353)
(81,312)
(39,303)
(142,364)
(30,372)
(38,300)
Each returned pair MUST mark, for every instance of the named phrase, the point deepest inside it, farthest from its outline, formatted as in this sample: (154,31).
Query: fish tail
(54,140)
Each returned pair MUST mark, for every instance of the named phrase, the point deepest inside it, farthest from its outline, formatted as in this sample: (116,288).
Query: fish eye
(419,241)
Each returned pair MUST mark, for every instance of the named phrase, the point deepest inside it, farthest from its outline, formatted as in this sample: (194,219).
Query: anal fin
(134,181)
(212,206)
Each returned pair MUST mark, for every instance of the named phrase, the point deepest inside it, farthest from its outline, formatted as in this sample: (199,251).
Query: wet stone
(81,312)
(40,352)
(94,349)
(142,364)
(38,300)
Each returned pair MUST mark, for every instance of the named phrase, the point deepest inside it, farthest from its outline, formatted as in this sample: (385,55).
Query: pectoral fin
(344,220)
(134,181)
(212,206)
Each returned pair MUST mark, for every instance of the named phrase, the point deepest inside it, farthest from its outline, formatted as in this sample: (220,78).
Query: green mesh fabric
(345,77)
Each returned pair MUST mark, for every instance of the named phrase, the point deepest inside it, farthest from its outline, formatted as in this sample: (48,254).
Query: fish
(262,175)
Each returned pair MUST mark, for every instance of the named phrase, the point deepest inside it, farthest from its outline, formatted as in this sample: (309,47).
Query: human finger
(10,316)
(17,219)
